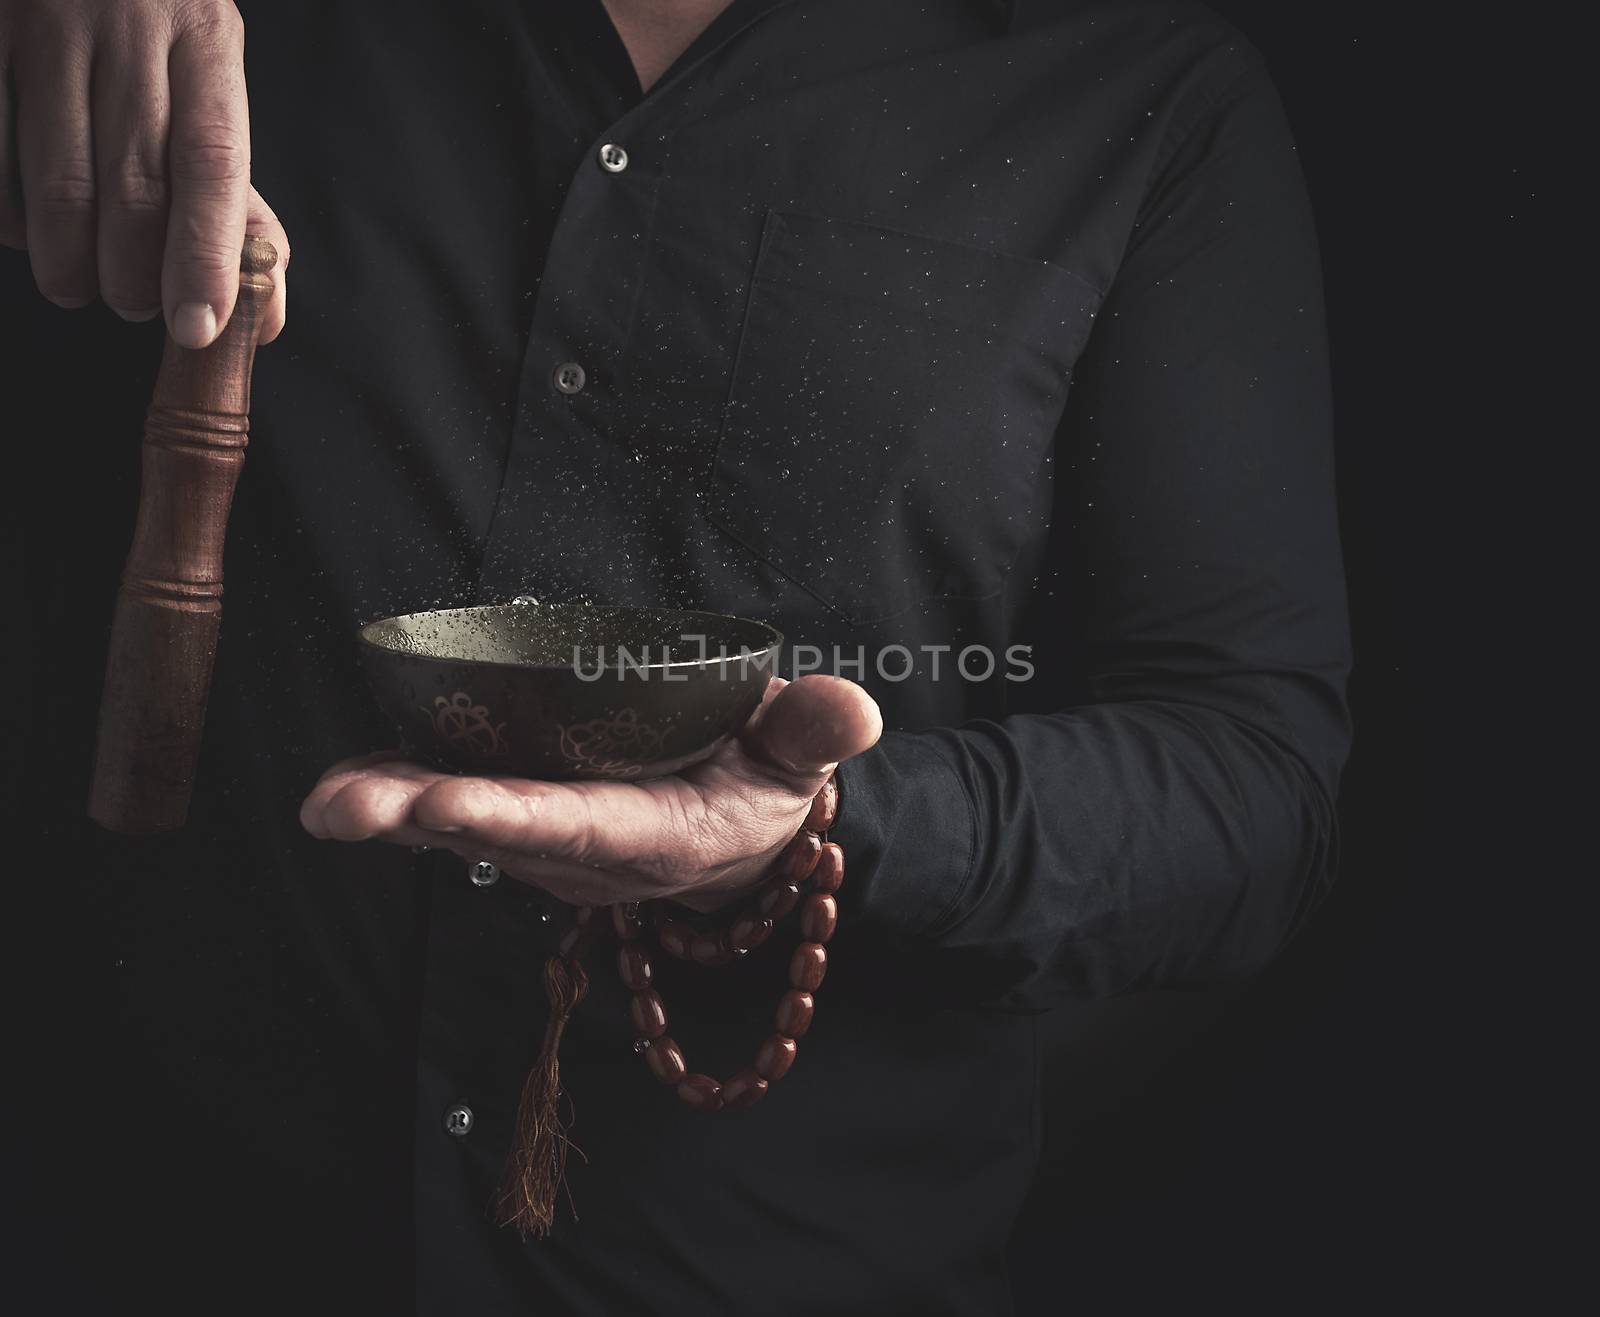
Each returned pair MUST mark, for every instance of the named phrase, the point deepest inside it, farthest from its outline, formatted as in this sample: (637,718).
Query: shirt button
(569,377)
(483,874)
(458,1120)
(613,159)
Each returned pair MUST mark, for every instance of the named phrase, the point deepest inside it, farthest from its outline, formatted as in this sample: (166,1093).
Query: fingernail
(138,317)
(444,827)
(194,325)
(71,303)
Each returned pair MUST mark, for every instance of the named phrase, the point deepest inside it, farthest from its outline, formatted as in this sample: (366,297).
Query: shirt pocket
(892,404)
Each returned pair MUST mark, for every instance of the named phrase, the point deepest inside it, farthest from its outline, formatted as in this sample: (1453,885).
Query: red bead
(745,1089)
(665,1059)
(807,966)
(829,873)
(749,933)
(626,925)
(793,1016)
(648,1013)
(824,807)
(701,1092)
(799,856)
(675,937)
(778,900)
(819,917)
(775,1056)
(633,963)
(574,942)
(709,949)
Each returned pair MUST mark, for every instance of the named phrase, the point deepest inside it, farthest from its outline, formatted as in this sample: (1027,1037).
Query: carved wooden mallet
(169,604)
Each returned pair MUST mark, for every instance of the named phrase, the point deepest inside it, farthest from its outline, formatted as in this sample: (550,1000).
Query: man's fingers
(125,158)
(377,797)
(813,723)
(56,160)
(261,222)
(369,805)
(132,111)
(383,763)
(208,161)
(594,823)
(539,818)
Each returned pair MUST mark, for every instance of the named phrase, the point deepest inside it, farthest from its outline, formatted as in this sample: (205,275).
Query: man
(925,332)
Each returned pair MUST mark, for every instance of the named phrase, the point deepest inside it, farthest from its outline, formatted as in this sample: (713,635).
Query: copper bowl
(567,691)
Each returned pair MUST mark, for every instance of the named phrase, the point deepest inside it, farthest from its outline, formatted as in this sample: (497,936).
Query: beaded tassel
(536,1168)
(537,1165)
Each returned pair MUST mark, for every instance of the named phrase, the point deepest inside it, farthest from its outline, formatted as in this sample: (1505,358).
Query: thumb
(812,724)
(262,222)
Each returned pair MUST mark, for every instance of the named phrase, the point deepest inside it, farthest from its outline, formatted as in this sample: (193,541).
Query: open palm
(700,836)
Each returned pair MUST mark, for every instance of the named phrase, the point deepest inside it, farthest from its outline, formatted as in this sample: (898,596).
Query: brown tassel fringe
(536,1168)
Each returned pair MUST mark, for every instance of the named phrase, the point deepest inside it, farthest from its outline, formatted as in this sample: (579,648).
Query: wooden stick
(169,605)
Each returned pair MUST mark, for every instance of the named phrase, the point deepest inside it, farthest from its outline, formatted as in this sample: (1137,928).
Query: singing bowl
(567,691)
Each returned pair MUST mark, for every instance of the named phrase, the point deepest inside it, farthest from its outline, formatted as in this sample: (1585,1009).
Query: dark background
(1339,1135)
(1352,1132)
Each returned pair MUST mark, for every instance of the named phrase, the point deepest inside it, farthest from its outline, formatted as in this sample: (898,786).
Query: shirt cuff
(909,835)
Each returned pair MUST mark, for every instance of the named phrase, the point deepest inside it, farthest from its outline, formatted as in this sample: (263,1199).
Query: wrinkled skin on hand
(125,159)
(700,837)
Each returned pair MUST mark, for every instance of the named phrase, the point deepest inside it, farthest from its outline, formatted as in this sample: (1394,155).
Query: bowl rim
(775,643)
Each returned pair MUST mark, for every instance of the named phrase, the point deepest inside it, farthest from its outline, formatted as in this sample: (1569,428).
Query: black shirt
(920,325)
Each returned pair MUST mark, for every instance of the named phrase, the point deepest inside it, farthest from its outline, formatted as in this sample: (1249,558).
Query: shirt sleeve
(1173,827)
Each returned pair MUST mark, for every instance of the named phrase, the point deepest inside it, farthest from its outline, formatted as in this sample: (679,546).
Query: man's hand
(125,158)
(699,837)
